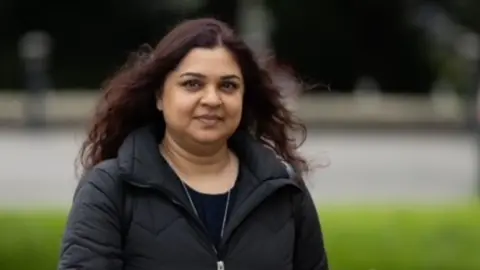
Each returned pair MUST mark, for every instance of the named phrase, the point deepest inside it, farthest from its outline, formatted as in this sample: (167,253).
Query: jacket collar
(142,165)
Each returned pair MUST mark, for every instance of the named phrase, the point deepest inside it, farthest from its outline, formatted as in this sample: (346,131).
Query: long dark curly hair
(128,99)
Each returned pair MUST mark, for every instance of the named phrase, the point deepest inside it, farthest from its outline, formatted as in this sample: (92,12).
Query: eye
(192,84)
(229,86)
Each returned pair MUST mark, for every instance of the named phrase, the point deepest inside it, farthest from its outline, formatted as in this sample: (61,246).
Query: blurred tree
(465,11)
(86,38)
(333,41)
(92,38)
(337,42)
(8,55)
(223,10)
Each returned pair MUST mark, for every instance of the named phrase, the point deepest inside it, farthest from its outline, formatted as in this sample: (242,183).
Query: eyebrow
(199,75)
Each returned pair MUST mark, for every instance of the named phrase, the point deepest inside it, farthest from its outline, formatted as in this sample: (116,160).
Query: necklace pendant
(220,265)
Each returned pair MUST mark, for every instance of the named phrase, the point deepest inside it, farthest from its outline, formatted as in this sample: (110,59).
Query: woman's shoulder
(103,177)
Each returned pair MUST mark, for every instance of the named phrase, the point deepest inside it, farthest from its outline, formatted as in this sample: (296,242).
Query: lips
(209,119)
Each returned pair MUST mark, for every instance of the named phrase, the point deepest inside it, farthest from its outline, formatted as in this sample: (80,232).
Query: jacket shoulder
(104,177)
(109,166)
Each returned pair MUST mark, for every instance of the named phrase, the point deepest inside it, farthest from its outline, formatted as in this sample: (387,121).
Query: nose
(211,96)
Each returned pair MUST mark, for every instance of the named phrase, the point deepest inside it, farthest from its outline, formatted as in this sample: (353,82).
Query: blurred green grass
(378,237)
(403,238)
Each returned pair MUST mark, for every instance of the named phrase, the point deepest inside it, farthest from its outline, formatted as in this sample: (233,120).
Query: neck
(195,160)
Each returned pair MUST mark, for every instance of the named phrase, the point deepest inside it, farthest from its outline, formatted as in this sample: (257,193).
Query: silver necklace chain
(192,204)
(227,204)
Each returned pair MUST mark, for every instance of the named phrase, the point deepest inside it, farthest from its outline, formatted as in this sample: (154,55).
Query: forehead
(217,61)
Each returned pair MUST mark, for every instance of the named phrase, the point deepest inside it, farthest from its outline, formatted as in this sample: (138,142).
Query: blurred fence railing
(441,111)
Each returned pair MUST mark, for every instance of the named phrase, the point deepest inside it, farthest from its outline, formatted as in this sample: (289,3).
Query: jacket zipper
(220,263)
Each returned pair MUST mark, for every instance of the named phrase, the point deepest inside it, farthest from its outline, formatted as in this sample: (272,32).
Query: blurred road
(37,167)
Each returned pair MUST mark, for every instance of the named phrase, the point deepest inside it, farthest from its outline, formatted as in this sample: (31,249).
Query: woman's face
(203,97)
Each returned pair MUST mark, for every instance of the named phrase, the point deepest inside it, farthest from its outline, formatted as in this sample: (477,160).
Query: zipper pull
(220,265)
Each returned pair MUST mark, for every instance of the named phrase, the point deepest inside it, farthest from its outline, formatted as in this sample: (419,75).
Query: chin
(209,137)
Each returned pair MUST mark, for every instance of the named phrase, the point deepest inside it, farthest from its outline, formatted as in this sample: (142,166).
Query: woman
(185,166)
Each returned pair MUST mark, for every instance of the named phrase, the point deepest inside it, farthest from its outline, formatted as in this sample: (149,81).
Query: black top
(211,210)
(131,212)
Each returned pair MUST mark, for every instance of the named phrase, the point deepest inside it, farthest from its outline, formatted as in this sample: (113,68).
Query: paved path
(37,167)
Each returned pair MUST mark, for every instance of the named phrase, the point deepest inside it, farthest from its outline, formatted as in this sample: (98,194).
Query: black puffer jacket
(131,213)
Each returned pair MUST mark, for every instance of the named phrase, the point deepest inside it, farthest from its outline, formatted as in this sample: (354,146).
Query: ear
(160,104)
(159,99)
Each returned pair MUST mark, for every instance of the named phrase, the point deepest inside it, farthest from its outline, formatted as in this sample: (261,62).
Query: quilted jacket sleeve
(310,252)
(92,238)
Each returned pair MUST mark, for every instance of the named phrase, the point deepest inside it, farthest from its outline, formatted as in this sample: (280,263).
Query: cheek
(234,109)
(177,107)
(235,106)
(237,110)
